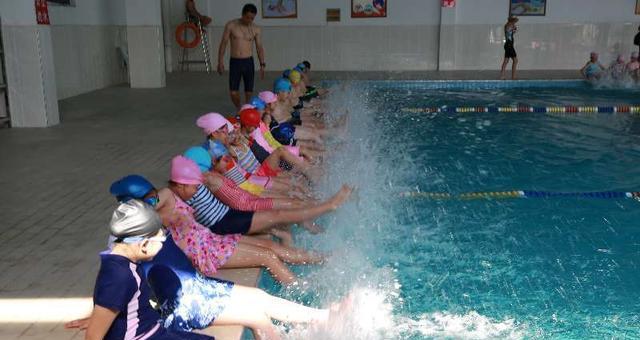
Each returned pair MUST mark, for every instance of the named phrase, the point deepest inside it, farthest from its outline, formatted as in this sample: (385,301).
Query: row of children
(252,176)
(619,70)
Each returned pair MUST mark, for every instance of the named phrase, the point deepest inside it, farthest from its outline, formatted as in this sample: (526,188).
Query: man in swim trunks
(242,33)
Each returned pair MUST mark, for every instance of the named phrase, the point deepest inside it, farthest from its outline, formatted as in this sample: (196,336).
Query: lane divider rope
(528,109)
(521,194)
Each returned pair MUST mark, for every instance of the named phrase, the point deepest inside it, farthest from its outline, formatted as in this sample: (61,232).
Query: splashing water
(357,235)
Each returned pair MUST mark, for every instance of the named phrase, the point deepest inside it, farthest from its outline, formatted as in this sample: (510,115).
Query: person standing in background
(195,15)
(510,29)
(242,34)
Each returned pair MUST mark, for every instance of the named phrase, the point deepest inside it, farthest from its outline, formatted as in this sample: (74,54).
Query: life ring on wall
(181,37)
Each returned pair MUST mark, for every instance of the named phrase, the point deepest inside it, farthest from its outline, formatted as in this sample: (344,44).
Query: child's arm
(583,69)
(101,320)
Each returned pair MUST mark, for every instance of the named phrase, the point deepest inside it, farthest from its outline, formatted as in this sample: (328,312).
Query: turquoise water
(562,268)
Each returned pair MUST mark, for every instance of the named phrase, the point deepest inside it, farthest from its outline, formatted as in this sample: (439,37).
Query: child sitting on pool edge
(121,295)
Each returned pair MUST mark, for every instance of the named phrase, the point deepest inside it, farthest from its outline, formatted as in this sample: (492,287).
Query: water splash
(357,235)
(468,326)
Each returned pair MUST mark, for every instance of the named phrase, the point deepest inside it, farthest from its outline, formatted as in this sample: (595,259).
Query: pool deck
(54,188)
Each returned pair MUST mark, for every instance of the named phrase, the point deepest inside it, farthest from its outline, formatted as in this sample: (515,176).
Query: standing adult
(194,15)
(510,29)
(242,33)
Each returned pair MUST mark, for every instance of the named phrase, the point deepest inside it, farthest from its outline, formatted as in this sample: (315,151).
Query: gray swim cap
(134,220)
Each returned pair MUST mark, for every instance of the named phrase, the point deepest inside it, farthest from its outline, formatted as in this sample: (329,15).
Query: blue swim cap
(286,73)
(130,187)
(281,85)
(258,103)
(200,156)
(217,149)
(301,66)
(284,133)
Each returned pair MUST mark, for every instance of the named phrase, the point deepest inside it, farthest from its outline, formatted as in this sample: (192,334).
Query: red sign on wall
(42,12)
(449,3)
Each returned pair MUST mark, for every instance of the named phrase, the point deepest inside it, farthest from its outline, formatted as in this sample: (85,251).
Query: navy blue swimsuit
(188,300)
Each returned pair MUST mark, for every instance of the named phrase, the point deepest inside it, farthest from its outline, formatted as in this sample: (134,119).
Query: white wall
(560,40)
(558,11)
(31,84)
(313,13)
(17,13)
(406,40)
(86,42)
(89,12)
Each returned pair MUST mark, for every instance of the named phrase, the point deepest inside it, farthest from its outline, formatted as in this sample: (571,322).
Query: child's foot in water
(342,196)
(338,312)
(312,227)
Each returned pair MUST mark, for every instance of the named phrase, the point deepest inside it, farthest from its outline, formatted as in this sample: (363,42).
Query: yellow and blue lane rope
(520,194)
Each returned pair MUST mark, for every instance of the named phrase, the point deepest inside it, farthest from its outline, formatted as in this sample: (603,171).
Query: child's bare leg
(286,239)
(290,203)
(312,156)
(243,299)
(308,134)
(505,61)
(286,254)
(265,220)
(286,190)
(281,154)
(310,145)
(248,255)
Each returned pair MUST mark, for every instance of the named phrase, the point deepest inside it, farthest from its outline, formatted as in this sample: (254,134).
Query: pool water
(562,268)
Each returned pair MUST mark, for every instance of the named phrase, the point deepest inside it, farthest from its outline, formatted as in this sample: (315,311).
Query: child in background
(633,66)
(618,68)
(593,69)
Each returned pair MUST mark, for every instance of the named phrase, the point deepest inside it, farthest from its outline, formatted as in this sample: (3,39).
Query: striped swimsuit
(208,210)
(246,158)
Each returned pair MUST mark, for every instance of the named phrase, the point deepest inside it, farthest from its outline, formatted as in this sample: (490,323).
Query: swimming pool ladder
(204,44)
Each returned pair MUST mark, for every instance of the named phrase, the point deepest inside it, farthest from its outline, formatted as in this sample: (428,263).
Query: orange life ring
(180,36)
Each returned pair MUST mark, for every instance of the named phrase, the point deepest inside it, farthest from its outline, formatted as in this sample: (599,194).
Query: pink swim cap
(247,106)
(268,97)
(212,122)
(185,171)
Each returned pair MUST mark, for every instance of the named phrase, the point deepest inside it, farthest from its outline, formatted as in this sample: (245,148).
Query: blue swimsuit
(188,300)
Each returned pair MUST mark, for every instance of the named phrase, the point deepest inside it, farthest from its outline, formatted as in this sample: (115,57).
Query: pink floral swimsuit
(206,250)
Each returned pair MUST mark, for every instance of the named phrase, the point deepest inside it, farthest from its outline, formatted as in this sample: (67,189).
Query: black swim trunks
(234,222)
(241,69)
(312,92)
(509,50)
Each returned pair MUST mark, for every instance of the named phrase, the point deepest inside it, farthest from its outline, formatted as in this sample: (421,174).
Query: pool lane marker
(520,194)
(526,109)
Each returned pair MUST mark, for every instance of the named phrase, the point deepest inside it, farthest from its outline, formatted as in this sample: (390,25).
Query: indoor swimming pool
(455,265)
